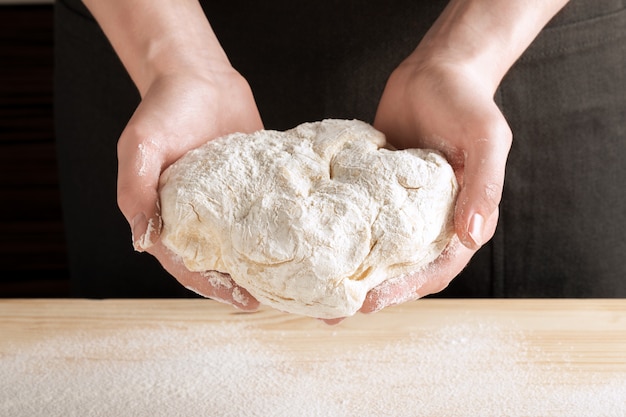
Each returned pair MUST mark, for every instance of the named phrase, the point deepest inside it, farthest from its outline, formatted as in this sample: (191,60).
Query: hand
(179,113)
(450,108)
(190,94)
(441,97)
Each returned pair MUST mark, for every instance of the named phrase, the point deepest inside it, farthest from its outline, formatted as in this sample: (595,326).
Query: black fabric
(563,215)
(310,60)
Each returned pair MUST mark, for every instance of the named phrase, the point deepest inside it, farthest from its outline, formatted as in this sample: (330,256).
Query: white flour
(229,369)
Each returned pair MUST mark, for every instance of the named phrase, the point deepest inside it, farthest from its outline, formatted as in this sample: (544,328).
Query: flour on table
(308,220)
(230,369)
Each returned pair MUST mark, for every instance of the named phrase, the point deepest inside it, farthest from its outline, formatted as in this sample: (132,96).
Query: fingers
(482,184)
(429,280)
(211,284)
(139,168)
(476,217)
(219,287)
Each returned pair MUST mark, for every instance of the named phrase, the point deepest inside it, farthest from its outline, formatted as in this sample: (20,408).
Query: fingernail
(139,228)
(475,229)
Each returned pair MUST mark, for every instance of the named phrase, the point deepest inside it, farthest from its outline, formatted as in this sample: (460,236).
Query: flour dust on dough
(310,219)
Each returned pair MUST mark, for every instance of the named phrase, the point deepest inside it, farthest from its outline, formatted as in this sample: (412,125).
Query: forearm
(158,37)
(488,35)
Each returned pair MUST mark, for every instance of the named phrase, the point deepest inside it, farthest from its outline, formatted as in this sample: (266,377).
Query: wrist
(172,57)
(157,38)
(484,37)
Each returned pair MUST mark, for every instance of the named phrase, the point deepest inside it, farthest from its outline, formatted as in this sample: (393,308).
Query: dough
(310,219)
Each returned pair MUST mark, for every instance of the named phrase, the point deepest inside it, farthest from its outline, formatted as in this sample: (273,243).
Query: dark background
(32,245)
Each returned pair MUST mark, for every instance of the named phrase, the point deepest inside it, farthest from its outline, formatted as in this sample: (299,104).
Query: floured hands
(449,108)
(179,113)
(441,97)
(190,94)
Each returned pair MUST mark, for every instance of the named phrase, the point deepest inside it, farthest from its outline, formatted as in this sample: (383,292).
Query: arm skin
(190,94)
(441,97)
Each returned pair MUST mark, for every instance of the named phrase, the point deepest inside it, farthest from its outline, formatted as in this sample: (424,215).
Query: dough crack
(193,208)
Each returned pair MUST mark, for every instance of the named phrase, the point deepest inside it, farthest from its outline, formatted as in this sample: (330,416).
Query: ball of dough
(310,219)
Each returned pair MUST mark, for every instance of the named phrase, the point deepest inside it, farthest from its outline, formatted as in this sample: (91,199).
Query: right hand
(446,106)
(441,97)
(179,112)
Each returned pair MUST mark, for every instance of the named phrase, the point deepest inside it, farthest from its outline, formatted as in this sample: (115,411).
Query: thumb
(482,184)
(139,169)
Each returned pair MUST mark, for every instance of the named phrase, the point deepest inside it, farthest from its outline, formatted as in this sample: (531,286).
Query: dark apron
(562,230)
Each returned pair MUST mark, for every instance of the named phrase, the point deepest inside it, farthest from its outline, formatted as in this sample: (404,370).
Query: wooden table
(430,357)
